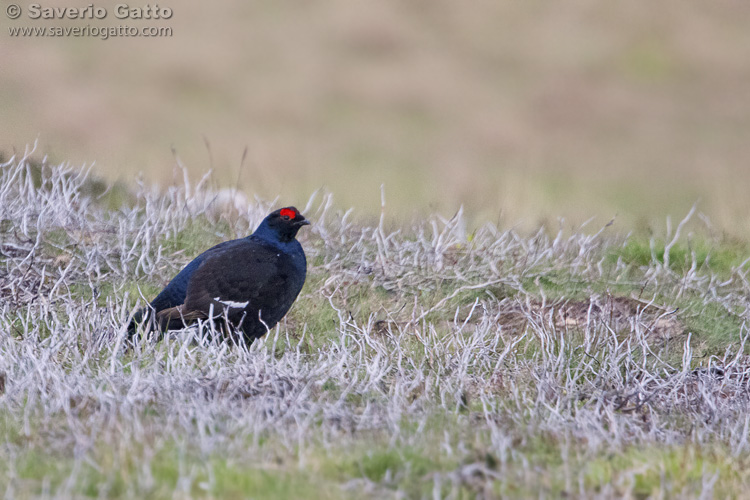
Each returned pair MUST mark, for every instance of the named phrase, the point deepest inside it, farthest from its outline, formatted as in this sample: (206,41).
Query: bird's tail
(142,317)
(148,320)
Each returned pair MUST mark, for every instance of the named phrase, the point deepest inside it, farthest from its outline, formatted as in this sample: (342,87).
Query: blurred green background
(521,111)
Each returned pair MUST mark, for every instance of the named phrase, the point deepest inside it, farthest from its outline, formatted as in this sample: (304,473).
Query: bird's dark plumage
(250,282)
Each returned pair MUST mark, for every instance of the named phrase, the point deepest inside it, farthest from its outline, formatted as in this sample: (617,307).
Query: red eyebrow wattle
(288,212)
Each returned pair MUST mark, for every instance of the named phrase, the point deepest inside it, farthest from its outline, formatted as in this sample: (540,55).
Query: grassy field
(425,360)
(463,331)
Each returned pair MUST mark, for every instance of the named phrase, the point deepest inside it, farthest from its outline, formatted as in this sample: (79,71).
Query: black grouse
(249,283)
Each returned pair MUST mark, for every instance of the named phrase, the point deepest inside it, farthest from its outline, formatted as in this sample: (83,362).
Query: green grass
(720,257)
(111,474)
(196,236)
(713,327)
(113,470)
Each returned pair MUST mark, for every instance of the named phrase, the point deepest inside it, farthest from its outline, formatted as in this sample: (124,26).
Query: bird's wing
(241,277)
(174,293)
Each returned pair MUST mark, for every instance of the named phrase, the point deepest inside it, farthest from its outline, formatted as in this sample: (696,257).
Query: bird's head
(282,224)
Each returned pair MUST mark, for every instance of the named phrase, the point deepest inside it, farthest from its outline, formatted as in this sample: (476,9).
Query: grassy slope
(419,360)
(519,108)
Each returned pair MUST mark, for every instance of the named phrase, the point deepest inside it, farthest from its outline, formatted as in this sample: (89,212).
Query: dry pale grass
(425,360)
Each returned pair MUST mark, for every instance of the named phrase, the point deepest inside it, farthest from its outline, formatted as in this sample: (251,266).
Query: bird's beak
(303,222)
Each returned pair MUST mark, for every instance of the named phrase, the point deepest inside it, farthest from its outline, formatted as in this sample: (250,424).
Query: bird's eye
(285,217)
